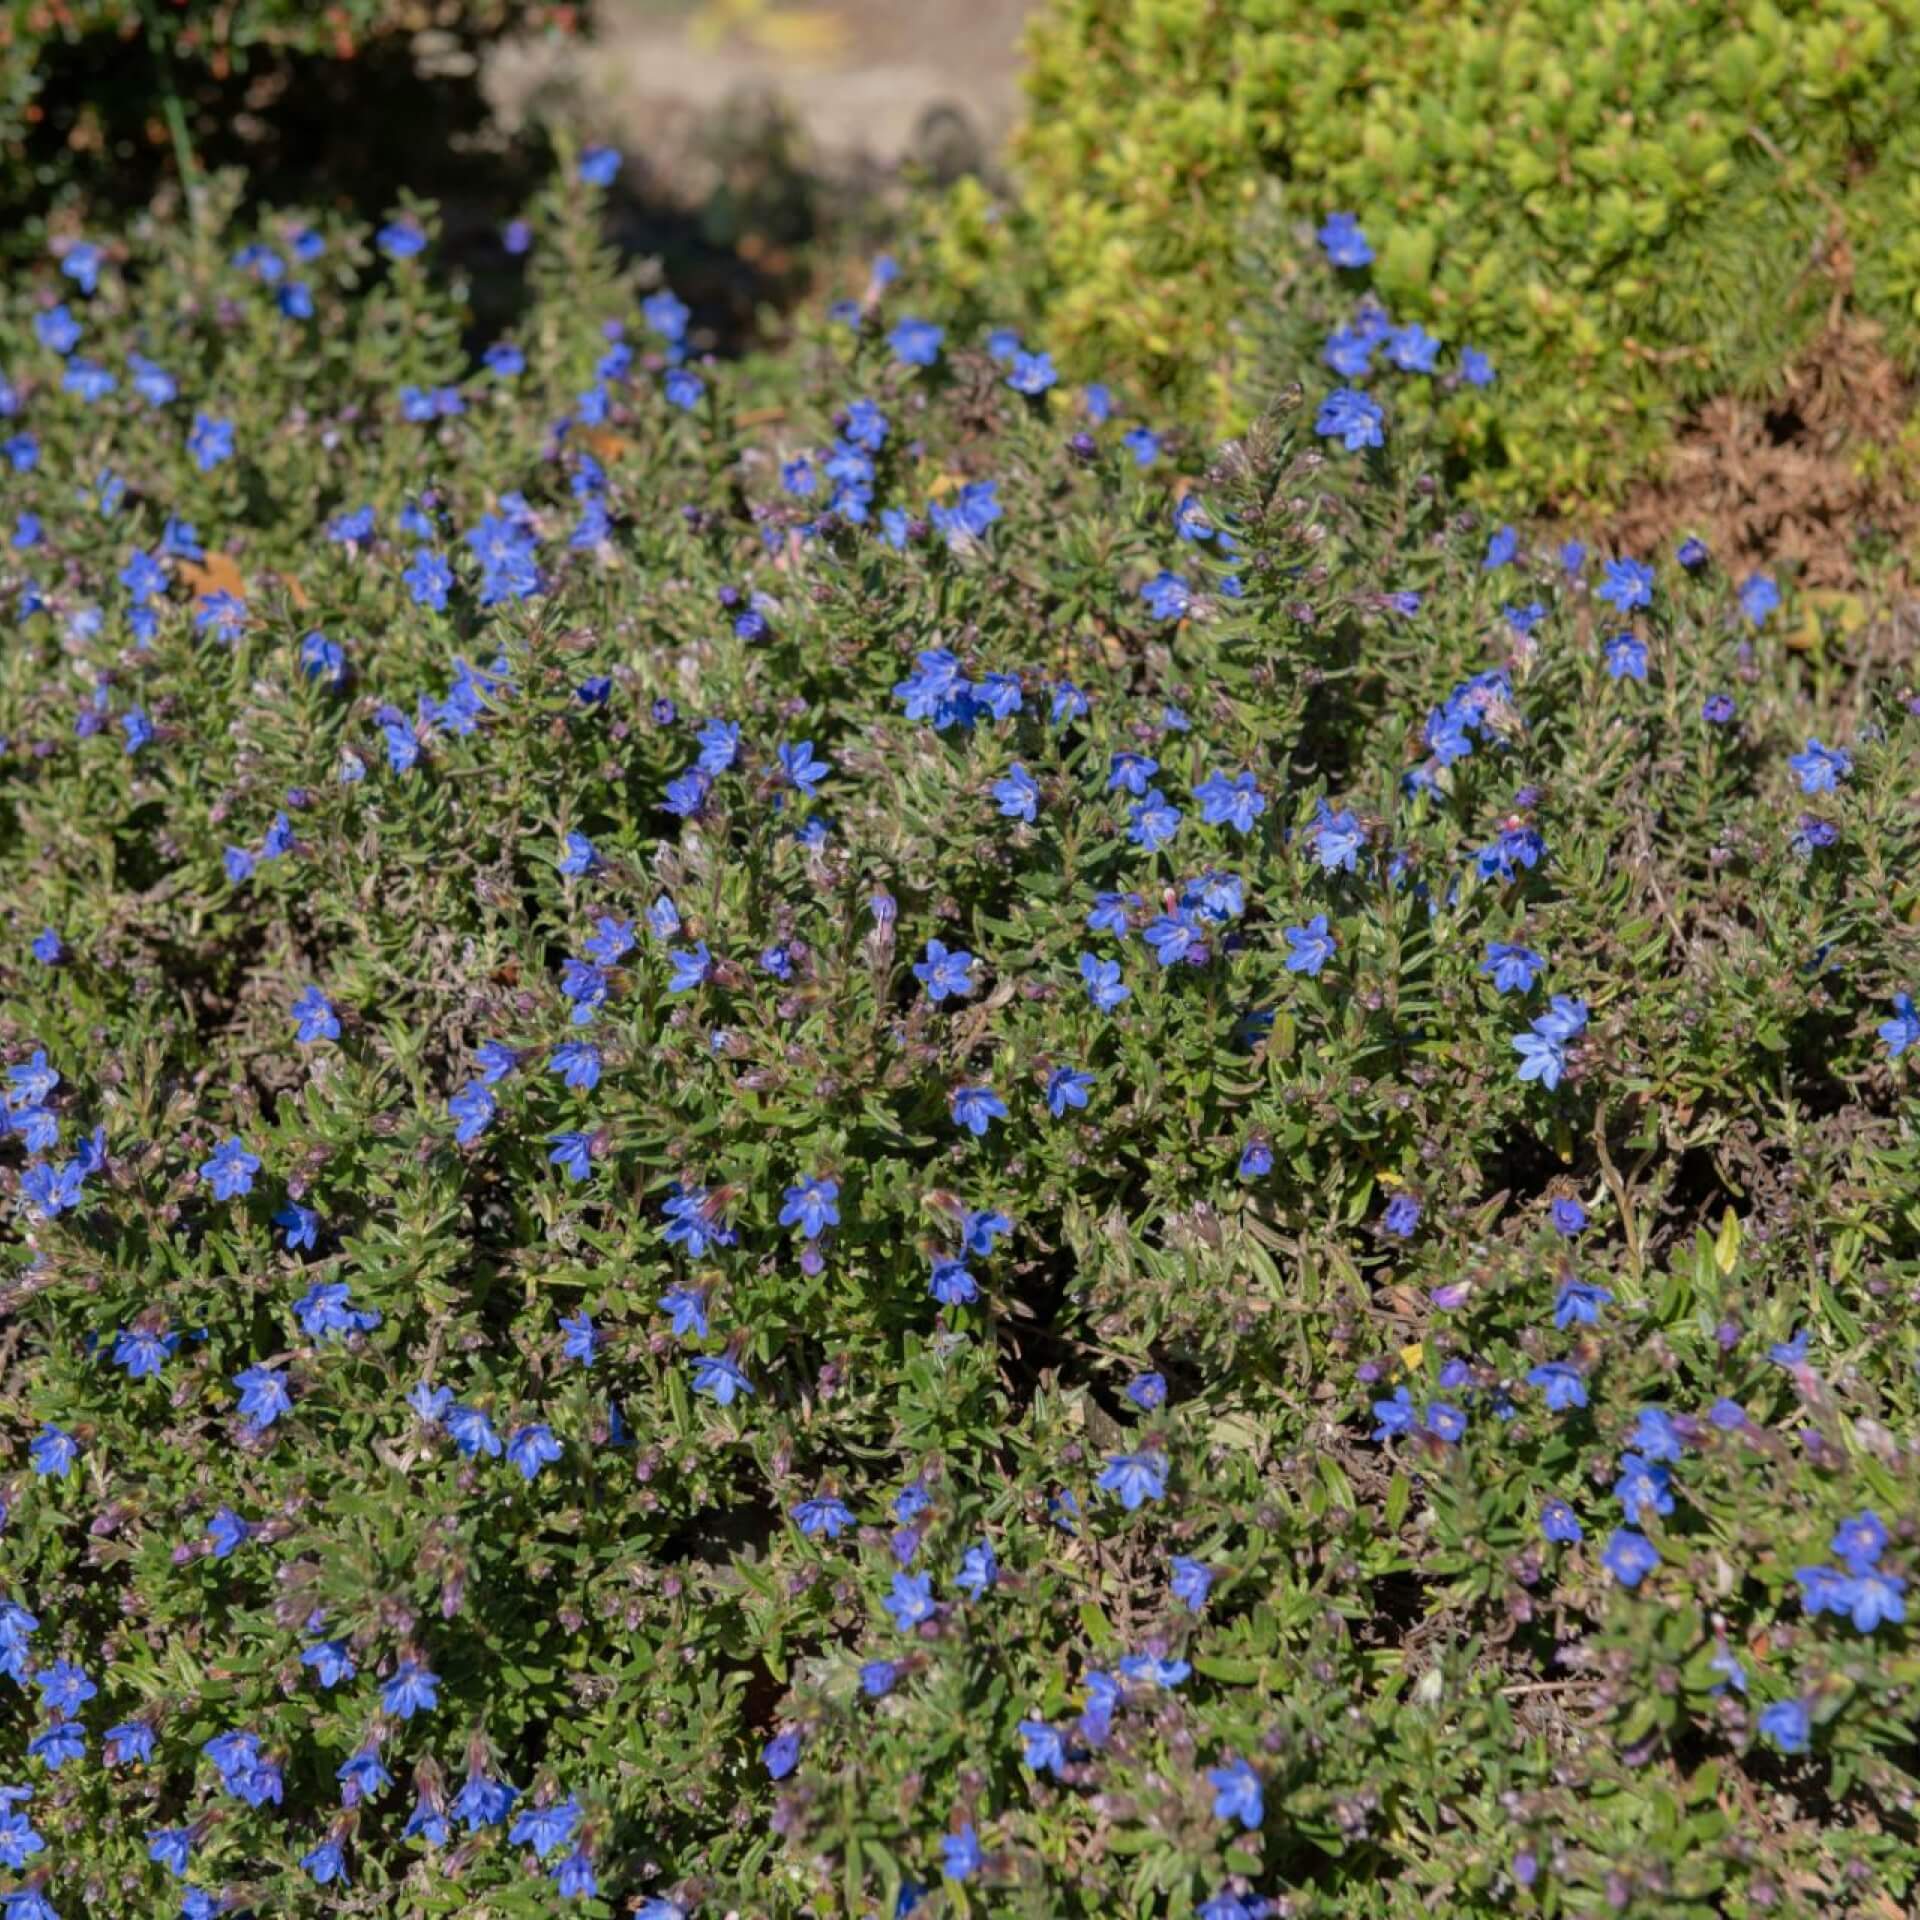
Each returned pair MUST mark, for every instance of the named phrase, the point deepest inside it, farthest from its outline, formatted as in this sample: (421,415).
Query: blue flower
(812,1206)
(1345,244)
(911,1600)
(401,239)
(428,579)
(1860,1541)
(1642,1484)
(1067,1087)
(581,1341)
(578,1064)
(1627,584)
(1501,548)
(1236,1794)
(1312,946)
(229,1170)
(960,1854)
(263,1396)
(1032,373)
(610,942)
(1168,597)
(410,1690)
(64,1688)
(473,1108)
(1514,969)
(1017,794)
(689,967)
(472,1432)
(1402,1216)
(314,1018)
(945,974)
(1134,1478)
(1256,1160)
(799,765)
(1787,1724)
(1629,1557)
(483,1802)
(143,1351)
(1578,1303)
(1338,839)
(1349,416)
(1820,769)
(361,1777)
(951,1284)
(976,1108)
(1155,820)
(978,1571)
(1626,656)
(128,1743)
(1562,1386)
(64,1740)
(1543,1055)
(545,1829)
(1877,1597)
(1148,1391)
(916,343)
(1349,352)
(1234,803)
(1105,988)
(696,1221)
(1559,1524)
(227,1532)
(823,1514)
(1758,598)
(1043,1748)
(1412,348)
(1475,368)
(1191,1583)
(598,165)
(1143,443)
(210,441)
(683,389)
(57,329)
(719,1378)
(781,1754)
(531,1448)
(330,1660)
(172,1848)
(427,1822)
(1656,1436)
(1569,1217)
(876,1678)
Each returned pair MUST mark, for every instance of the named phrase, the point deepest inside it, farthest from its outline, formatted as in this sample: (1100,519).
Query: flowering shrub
(831,1139)
(1643,205)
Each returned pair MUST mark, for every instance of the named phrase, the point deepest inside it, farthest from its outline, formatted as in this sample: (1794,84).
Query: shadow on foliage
(351,134)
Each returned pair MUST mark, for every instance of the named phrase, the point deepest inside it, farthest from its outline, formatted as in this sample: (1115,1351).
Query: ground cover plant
(854,1137)
(1650,206)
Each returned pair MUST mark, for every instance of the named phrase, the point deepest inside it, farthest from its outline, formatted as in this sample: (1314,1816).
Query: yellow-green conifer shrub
(1641,203)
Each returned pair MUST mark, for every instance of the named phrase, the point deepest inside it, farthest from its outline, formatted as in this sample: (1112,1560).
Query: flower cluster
(743,1170)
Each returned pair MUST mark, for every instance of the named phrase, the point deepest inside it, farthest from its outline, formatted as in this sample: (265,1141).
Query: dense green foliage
(1294,1332)
(1638,205)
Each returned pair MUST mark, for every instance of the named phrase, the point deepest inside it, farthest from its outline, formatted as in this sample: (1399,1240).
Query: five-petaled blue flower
(945,974)
(1311,946)
(976,1108)
(229,1170)
(1105,988)
(1236,1794)
(1135,1478)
